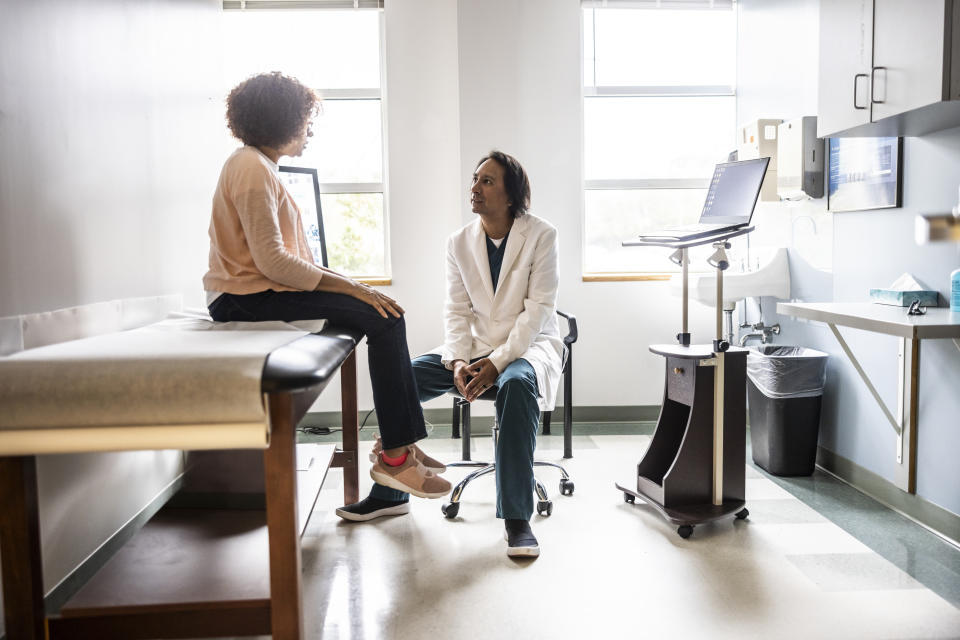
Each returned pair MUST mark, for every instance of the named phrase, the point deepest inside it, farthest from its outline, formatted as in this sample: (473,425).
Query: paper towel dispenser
(758,139)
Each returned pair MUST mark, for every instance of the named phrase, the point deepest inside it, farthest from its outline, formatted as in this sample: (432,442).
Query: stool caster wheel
(450,509)
(566,487)
(544,507)
(742,514)
(685,531)
(629,498)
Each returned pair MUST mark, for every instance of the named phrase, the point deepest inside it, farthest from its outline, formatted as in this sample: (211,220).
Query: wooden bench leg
(20,549)
(348,409)
(280,475)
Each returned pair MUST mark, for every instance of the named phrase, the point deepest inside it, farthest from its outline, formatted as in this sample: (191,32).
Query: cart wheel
(544,507)
(566,487)
(685,531)
(742,514)
(450,509)
(629,498)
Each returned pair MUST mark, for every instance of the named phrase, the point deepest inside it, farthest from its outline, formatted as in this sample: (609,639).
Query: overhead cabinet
(888,67)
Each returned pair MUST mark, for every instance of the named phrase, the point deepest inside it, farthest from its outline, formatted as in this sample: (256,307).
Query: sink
(771,279)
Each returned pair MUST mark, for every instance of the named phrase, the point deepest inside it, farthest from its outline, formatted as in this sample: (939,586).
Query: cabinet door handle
(678,370)
(873,84)
(855,79)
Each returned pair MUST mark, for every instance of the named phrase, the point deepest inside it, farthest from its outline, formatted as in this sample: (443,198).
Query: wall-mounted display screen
(864,173)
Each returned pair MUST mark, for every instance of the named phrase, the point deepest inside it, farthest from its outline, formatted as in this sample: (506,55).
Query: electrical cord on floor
(323,431)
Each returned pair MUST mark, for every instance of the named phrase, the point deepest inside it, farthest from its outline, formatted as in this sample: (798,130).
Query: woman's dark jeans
(391,376)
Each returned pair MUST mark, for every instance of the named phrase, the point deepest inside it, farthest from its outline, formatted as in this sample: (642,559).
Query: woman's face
(295,147)
(488,195)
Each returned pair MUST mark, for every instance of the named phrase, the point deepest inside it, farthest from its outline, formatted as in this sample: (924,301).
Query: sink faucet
(759,331)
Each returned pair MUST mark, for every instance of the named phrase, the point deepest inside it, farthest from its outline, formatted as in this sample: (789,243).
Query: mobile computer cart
(694,469)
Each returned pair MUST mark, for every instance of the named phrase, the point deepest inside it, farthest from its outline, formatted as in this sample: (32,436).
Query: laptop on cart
(731,200)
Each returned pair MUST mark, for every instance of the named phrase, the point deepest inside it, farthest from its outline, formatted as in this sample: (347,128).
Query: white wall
(777,55)
(423,131)
(107,121)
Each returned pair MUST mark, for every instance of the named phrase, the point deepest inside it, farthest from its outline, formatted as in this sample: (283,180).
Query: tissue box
(904,298)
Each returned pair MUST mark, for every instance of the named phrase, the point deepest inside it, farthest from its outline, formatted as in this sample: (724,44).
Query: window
(659,112)
(336,52)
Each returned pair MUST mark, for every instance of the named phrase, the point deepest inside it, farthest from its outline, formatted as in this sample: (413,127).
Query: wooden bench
(198,572)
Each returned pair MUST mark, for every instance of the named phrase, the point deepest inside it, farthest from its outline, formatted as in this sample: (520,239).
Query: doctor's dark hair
(515,181)
(270,109)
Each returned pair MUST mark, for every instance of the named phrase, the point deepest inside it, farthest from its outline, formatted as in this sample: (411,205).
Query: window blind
(250,5)
(657,4)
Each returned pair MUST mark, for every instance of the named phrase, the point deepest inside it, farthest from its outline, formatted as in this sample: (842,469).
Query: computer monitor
(304,185)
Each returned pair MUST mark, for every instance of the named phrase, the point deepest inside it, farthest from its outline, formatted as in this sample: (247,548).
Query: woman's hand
(378,300)
(484,374)
(336,283)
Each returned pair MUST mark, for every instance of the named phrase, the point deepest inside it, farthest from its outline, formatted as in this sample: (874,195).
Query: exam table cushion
(182,383)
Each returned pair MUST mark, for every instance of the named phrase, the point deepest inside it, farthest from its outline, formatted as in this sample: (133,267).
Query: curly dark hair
(270,109)
(515,181)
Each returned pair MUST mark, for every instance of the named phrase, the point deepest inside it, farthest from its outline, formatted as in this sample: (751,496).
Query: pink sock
(394,462)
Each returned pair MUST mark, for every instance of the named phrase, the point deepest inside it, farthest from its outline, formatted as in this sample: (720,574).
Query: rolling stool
(450,509)
(461,416)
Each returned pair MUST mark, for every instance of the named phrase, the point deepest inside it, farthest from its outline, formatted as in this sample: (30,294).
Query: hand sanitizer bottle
(955,291)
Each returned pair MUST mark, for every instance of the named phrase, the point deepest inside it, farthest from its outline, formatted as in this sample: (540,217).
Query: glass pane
(354,230)
(323,49)
(631,138)
(612,216)
(347,142)
(665,47)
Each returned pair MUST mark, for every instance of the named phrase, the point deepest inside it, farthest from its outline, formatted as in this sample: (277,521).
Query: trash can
(784,393)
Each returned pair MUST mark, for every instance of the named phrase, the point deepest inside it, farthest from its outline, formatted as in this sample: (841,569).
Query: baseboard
(66,588)
(935,518)
(581,414)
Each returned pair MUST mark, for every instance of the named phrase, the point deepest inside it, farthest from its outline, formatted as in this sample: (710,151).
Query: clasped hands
(473,379)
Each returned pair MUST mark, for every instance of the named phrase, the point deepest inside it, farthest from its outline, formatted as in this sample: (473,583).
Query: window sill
(624,277)
(375,281)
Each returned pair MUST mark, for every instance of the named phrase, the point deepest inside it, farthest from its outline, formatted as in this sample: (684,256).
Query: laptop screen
(733,191)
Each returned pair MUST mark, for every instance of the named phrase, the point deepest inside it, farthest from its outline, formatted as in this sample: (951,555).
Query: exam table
(179,384)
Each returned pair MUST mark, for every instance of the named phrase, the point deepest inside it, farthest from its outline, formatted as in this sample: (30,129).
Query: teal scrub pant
(518,415)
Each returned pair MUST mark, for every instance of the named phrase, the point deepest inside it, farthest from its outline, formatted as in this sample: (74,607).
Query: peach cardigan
(257,240)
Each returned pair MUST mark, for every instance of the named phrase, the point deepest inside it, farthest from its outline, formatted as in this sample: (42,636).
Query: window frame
(594,91)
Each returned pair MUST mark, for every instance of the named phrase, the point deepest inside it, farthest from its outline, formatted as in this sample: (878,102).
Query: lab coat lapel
(479,248)
(514,244)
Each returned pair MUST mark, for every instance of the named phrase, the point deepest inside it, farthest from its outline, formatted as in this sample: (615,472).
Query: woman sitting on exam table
(260,268)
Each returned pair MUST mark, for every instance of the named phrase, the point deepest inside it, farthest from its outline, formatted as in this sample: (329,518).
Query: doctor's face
(488,196)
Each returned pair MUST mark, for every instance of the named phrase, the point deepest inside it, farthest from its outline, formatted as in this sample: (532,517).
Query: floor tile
(852,572)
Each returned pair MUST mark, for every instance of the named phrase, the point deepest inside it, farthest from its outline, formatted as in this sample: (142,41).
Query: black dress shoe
(370,508)
(520,539)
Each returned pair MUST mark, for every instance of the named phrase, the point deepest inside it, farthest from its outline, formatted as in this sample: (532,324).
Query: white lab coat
(520,320)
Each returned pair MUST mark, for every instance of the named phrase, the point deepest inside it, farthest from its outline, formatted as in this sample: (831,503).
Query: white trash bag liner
(787,372)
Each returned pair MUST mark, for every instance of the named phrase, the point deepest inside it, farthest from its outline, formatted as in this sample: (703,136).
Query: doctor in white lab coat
(500,328)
